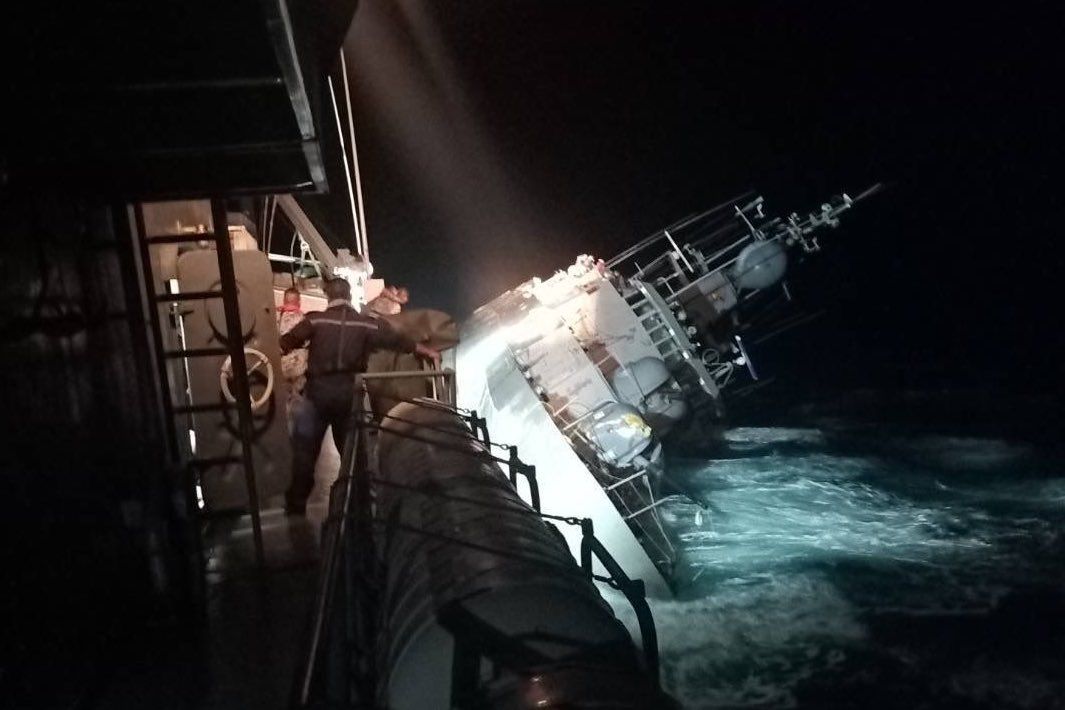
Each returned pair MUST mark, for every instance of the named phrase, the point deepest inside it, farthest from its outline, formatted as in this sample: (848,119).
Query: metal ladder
(234,348)
(652,322)
(676,350)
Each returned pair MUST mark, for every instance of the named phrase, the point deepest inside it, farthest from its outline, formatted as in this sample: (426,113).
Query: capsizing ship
(573,384)
(588,371)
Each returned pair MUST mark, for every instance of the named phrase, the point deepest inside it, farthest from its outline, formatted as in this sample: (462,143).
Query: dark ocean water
(868,567)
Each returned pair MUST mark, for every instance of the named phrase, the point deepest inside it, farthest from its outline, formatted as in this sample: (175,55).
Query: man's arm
(385,336)
(428,353)
(295,338)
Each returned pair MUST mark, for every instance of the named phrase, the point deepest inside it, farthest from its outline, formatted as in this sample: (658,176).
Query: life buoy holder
(261,359)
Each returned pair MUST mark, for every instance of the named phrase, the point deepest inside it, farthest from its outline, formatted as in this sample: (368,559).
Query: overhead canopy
(156,99)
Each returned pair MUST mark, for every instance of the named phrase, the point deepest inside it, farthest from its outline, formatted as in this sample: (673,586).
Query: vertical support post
(634,590)
(434,391)
(587,536)
(351,463)
(479,426)
(360,473)
(514,462)
(360,544)
(534,486)
(352,640)
(465,673)
(235,341)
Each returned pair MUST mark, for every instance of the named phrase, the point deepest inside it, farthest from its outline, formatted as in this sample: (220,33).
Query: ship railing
(677,346)
(683,264)
(349,524)
(338,668)
(667,234)
(441,382)
(793,230)
(633,589)
(646,509)
(654,534)
(571,430)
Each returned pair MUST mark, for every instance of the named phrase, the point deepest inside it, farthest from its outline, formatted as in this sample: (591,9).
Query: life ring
(260,359)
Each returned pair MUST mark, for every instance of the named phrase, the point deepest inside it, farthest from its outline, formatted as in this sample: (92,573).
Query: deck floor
(247,652)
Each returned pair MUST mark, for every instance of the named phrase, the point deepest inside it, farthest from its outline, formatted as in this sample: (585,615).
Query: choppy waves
(808,541)
(753,641)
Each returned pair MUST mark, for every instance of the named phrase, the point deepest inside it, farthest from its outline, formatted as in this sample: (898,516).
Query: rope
(373,419)
(455,540)
(429,403)
(572,568)
(569,520)
(484,455)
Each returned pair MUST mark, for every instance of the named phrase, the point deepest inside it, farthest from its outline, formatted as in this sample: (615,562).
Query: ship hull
(491,382)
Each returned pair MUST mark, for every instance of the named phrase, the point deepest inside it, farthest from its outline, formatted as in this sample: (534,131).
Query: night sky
(500,139)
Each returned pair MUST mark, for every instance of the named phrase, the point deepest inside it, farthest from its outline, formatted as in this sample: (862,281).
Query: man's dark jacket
(339,340)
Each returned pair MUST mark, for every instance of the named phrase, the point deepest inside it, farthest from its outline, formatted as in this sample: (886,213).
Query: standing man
(339,339)
(294,362)
(390,302)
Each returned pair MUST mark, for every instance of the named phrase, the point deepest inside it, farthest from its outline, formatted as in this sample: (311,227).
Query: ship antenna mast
(347,170)
(365,250)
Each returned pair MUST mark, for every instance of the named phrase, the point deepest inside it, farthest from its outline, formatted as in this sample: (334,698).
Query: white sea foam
(749,645)
(796,549)
(773,435)
(769,510)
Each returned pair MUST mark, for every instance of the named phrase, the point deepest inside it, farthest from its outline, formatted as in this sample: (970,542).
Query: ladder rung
(646,508)
(181,238)
(188,296)
(194,408)
(215,461)
(625,480)
(196,352)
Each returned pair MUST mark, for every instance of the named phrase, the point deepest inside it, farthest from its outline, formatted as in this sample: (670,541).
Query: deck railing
(338,665)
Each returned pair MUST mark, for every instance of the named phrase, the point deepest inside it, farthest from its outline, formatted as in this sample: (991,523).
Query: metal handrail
(676,226)
(447,374)
(633,589)
(324,599)
(354,509)
(351,522)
